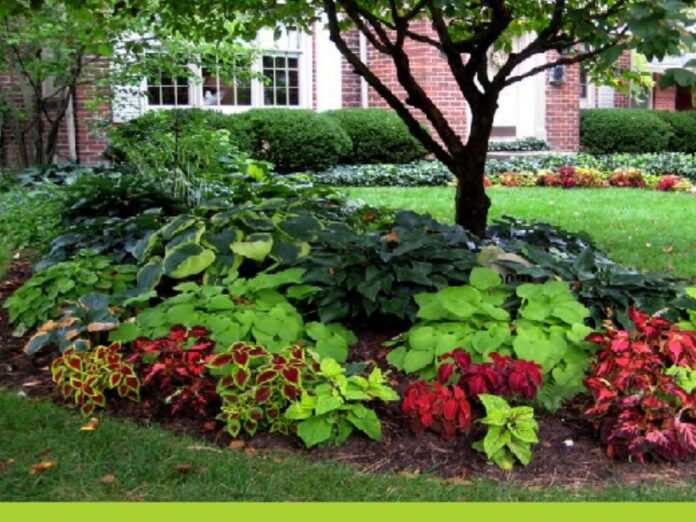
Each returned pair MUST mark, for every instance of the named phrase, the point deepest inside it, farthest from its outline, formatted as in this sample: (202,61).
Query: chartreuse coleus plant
(248,310)
(690,323)
(85,377)
(511,432)
(40,298)
(257,386)
(84,323)
(548,329)
(333,405)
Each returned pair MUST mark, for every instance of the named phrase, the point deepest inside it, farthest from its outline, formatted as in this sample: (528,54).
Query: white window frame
(302,50)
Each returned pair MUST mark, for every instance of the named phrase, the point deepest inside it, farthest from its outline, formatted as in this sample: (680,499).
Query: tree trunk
(471,203)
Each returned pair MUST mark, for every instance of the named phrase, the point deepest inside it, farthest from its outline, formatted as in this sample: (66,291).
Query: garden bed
(569,454)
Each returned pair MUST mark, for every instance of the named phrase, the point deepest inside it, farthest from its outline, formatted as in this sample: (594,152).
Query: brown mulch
(568,455)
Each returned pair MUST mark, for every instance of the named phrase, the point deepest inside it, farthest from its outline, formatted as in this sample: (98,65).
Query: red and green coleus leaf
(240,376)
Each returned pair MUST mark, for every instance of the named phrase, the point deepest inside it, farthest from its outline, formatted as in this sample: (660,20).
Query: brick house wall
(430,69)
(664,99)
(622,99)
(351,91)
(563,109)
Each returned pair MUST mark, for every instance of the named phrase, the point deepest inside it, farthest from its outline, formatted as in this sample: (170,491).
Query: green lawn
(120,461)
(648,229)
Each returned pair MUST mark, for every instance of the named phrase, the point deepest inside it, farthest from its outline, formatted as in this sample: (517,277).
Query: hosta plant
(40,298)
(333,405)
(641,383)
(511,432)
(84,322)
(548,330)
(175,366)
(86,377)
(257,386)
(249,310)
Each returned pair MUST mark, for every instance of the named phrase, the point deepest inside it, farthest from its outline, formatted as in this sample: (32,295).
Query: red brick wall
(89,144)
(432,72)
(622,99)
(563,110)
(664,99)
(351,90)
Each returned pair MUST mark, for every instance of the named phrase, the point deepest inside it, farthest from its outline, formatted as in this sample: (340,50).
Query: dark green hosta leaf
(150,274)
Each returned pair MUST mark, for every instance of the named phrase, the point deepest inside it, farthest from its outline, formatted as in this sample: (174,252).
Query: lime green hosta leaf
(422,338)
(415,360)
(484,278)
(187,260)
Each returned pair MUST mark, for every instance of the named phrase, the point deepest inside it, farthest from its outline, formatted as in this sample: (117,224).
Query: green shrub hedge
(295,140)
(378,136)
(683,130)
(606,131)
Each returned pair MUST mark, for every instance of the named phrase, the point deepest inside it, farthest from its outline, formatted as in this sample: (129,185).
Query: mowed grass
(120,461)
(647,229)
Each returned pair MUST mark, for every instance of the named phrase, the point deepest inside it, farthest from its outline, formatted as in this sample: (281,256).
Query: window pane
(153,95)
(281,78)
(168,96)
(166,80)
(268,96)
(182,96)
(243,96)
(281,97)
(294,79)
(280,62)
(292,63)
(267,62)
(210,88)
(294,97)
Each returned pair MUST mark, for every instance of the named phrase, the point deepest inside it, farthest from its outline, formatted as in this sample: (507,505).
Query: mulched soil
(569,454)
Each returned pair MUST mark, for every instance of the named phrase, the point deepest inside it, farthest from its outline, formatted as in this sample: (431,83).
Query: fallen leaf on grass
(108,479)
(187,468)
(91,425)
(668,250)
(410,474)
(249,451)
(278,460)
(236,445)
(209,426)
(35,469)
(204,448)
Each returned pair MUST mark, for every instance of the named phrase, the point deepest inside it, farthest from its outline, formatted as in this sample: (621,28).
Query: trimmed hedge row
(606,131)
(294,140)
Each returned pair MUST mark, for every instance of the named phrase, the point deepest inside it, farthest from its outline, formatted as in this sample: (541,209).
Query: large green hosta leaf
(187,260)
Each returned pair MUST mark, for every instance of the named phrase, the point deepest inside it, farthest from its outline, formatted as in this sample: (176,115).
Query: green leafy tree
(466,33)
(50,48)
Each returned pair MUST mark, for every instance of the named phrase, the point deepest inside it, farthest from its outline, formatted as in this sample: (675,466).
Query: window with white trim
(164,90)
(282,69)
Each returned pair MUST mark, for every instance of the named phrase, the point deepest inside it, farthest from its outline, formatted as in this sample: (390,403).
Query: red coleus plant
(639,409)
(176,367)
(505,376)
(257,386)
(627,178)
(667,183)
(444,407)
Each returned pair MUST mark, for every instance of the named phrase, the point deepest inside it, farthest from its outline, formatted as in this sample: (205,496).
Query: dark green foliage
(683,130)
(415,174)
(604,131)
(154,125)
(606,287)
(115,195)
(295,140)
(40,298)
(379,272)
(60,175)
(520,145)
(378,136)
(29,219)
